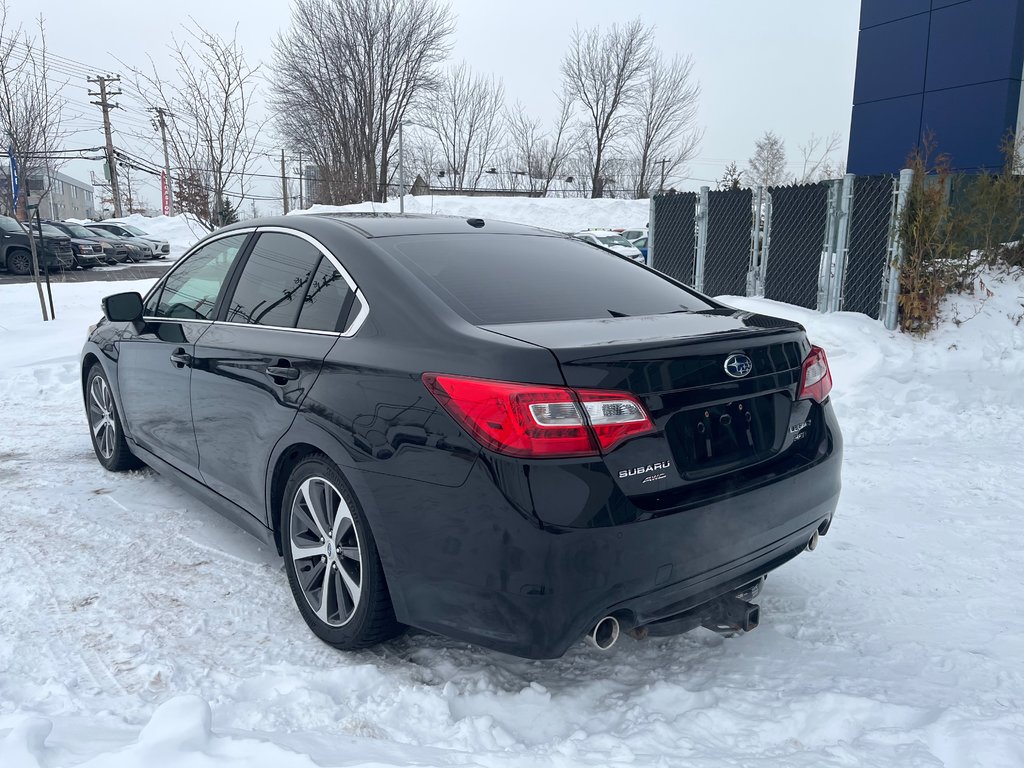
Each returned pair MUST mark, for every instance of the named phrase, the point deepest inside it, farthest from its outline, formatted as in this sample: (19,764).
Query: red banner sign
(164,197)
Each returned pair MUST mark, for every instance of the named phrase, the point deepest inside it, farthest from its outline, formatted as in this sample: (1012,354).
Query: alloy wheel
(101,416)
(19,263)
(325,548)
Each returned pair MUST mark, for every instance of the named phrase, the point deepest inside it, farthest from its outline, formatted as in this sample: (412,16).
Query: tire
(19,262)
(328,547)
(105,428)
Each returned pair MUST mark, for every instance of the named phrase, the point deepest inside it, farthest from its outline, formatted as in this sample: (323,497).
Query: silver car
(159,248)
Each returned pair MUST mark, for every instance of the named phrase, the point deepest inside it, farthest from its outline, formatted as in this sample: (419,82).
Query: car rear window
(491,279)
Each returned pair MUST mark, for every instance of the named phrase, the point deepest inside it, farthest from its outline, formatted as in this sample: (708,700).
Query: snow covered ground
(561,214)
(138,628)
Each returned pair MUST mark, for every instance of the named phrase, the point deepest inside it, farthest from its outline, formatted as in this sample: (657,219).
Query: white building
(68,199)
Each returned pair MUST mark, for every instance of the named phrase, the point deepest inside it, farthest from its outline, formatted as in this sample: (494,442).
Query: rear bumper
(473,564)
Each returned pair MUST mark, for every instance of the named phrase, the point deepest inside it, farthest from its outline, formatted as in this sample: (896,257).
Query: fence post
(889,311)
(842,242)
(701,241)
(766,241)
(755,240)
(828,247)
(650,233)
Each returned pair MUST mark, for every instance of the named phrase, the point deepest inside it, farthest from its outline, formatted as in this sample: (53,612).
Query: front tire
(105,424)
(19,262)
(331,558)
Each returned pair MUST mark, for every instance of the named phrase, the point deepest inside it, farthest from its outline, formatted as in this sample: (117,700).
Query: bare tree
(816,154)
(31,112)
(346,74)
(525,139)
(465,116)
(537,157)
(604,72)
(423,156)
(664,130)
(212,131)
(767,166)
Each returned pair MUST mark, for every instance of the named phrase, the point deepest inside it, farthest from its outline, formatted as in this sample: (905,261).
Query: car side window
(273,283)
(328,302)
(190,292)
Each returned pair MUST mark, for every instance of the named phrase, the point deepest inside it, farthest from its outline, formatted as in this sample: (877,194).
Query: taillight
(538,421)
(815,377)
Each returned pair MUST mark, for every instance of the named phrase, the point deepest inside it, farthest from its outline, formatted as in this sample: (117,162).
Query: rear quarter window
(493,279)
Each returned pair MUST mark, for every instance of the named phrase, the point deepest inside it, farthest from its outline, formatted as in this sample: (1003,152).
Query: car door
(254,366)
(154,368)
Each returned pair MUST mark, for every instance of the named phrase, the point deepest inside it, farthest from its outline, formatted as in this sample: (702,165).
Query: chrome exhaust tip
(604,634)
(812,543)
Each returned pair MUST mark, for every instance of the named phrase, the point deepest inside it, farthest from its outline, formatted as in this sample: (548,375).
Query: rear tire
(105,427)
(331,558)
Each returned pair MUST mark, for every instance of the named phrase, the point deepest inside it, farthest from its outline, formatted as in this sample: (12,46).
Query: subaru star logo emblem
(738,365)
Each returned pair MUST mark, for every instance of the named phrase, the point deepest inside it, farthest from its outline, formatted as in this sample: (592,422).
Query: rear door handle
(285,372)
(180,358)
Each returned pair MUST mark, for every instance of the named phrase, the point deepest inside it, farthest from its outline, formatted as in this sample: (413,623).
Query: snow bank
(562,214)
(139,629)
(181,231)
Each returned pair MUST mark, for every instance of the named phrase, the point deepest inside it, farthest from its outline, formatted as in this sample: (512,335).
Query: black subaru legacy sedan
(489,431)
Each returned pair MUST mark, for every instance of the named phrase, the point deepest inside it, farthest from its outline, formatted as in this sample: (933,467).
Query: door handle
(180,358)
(285,372)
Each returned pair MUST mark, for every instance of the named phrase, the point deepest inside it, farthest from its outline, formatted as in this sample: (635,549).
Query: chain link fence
(727,249)
(828,246)
(677,235)
(794,244)
(867,255)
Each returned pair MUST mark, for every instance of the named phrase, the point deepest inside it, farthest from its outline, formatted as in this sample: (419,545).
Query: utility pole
(302,203)
(105,105)
(662,162)
(284,185)
(161,117)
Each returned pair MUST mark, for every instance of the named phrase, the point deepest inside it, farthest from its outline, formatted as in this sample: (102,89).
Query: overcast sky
(786,65)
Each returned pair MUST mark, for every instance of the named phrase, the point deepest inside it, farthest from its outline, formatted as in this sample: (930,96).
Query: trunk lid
(709,424)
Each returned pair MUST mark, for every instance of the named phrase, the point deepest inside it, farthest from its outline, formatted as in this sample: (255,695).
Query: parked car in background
(479,429)
(137,250)
(53,251)
(641,245)
(612,241)
(634,234)
(87,252)
(130,232)
(111,251)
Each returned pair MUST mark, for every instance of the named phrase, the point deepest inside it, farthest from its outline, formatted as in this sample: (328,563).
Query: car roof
(397,224)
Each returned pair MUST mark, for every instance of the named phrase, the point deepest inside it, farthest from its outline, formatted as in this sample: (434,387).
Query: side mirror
(123,307)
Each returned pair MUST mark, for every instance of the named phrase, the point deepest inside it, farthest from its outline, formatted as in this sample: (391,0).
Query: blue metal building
(950,67)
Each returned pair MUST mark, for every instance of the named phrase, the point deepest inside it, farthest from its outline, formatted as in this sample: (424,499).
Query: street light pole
(401,171)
